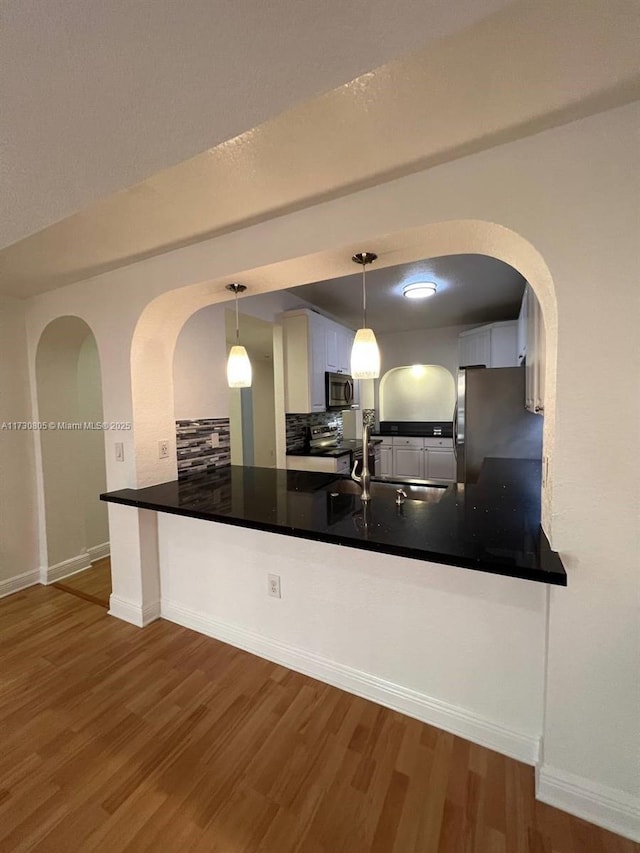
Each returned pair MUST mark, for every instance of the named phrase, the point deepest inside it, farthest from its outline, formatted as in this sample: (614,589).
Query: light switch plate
(163,449)
(119,451)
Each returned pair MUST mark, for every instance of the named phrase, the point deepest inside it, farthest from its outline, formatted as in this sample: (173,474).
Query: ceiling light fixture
(420,289)
(238,364)
(365,355)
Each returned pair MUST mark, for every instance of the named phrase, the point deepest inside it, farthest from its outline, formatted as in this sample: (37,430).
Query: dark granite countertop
(491,526)
(346,447)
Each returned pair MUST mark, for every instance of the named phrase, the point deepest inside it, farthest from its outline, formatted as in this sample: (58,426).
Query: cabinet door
(331,337)
(504,344)
(540,362)
(440,464)
(408,462)
(318,350)
(522,330)
(386,461)
(475,347)
(345,343)
(536,355)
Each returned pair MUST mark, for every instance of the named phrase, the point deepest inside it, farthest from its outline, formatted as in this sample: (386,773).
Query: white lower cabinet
(439,464)
(419,458)
(386,460)
(408,462)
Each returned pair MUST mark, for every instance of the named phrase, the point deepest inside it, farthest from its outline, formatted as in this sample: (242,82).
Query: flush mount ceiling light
(238,364)
(420,289)
(365,355)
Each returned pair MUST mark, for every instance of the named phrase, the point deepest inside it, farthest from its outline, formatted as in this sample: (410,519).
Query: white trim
(15,584)
(98,552)
(65,569)
(609,808)
(150,613)
(451,718)
(132,612)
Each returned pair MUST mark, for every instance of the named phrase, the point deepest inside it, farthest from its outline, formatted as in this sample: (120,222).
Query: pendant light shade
(239,373)
(365,355)
(238,368)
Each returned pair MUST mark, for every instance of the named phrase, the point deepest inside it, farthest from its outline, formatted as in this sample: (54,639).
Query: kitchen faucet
(364,479)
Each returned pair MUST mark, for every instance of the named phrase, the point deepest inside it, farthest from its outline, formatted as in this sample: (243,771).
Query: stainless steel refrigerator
(491,420)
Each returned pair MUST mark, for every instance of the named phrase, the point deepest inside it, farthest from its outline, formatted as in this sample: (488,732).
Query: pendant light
(238,364)
(365,355)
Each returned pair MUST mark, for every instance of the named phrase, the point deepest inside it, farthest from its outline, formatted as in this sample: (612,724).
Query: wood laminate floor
(162,740)
(92,584)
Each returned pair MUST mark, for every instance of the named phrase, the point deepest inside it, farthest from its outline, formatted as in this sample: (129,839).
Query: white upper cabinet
(339,341)
(331,340)
(313,345)
(535,353)
(522,330)
(304,350)
(495,345)
(345,344)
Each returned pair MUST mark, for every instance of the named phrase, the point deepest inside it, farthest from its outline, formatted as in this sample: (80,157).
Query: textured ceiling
(529,66)
(471,289)
(96,96)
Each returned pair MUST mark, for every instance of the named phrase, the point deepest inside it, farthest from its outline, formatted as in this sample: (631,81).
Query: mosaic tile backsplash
(296,426)
(193,443)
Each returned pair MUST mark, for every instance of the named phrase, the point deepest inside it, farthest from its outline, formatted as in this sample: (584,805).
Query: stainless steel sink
(388,491)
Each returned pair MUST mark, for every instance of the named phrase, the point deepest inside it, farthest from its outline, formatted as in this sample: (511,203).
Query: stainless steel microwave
(339,387)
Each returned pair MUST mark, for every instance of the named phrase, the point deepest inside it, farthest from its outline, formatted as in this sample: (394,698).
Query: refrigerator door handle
(455,431)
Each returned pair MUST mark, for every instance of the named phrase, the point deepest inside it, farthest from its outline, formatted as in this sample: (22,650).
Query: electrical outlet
(215,439)
(274,586)
(163,449)
(119,451)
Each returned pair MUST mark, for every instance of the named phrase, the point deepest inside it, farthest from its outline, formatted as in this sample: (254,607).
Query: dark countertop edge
(334,452)
(554,573)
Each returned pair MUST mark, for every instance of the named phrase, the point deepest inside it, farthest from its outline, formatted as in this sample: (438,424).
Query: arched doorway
(69,394)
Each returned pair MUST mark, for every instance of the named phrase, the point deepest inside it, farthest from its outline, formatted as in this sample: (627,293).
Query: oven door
(339,389)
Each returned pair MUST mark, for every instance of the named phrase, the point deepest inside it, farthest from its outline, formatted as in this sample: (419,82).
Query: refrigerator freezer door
(496,423)
(459,427)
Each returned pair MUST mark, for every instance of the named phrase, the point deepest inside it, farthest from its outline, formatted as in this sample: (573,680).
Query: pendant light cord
(237,321)
(364,298)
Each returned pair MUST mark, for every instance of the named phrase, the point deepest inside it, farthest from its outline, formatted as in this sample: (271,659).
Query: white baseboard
(607,807)
(98,552)
(451,718)
(15,584)
(65,569)
(132,612)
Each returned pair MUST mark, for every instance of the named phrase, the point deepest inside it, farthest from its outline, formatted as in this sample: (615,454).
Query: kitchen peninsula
(490,526)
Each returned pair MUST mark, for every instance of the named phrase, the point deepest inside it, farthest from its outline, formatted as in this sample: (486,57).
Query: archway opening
(69,394)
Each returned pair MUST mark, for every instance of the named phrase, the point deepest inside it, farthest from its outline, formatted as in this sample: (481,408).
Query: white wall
(200,357)
(90,464)
(264,414)
(73,463)
(18,509)
(424,346)
(572,193)
(199,366)
(362,619)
